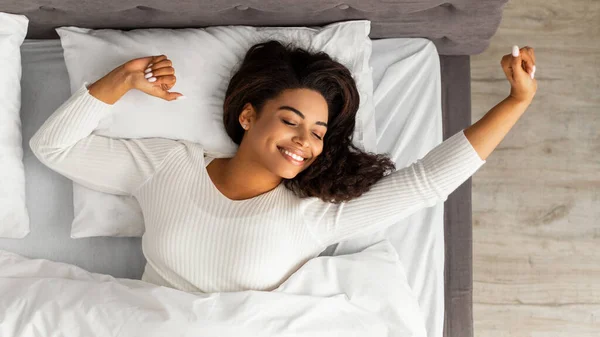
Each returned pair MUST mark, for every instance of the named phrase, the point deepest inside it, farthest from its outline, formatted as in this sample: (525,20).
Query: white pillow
(14,219)
(204,59)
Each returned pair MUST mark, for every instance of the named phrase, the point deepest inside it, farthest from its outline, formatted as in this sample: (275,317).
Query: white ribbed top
(196,238)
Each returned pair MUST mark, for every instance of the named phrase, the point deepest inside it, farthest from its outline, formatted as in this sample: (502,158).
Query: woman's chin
(287,174)
(288,170)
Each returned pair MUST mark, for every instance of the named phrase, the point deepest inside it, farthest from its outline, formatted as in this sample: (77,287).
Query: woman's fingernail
(534,68)
(150,65)
(515,51)
(181,97)
(148,70)
(532,75)
(148,75)
(152,79)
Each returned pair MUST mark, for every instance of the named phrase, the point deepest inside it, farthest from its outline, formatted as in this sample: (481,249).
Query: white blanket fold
(361,294)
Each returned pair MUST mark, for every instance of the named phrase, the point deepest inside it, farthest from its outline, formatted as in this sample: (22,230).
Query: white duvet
(360,294)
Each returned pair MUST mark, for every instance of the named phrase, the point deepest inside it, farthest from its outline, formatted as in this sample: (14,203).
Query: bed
(457,29)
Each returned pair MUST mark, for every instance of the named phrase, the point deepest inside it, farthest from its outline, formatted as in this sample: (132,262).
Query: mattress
(406,74)
(408,122)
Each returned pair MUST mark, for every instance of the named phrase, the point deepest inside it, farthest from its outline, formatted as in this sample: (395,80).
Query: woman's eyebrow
(285,107)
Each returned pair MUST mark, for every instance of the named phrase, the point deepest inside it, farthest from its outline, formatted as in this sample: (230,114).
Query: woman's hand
(488,132)
(519,68)
(157,81)
(153,75)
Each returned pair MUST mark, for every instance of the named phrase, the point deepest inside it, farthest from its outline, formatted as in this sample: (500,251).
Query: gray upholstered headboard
(457,27)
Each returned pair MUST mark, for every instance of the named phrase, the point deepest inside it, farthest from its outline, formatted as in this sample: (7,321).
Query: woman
(296,183)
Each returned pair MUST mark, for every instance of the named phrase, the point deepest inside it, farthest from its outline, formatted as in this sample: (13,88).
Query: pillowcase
(14,219)
(205,60)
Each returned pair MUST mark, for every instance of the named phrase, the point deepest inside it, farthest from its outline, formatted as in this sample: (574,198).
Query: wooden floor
(536,202)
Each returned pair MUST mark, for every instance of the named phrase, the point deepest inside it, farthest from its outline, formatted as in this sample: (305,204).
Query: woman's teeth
(295,156)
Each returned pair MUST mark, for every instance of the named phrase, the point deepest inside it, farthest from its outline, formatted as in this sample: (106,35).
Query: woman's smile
(292,158)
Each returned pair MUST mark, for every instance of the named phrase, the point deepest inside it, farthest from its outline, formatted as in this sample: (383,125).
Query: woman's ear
(247,116)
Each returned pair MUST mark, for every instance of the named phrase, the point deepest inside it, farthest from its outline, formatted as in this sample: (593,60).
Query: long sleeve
(423,184)
(65,143)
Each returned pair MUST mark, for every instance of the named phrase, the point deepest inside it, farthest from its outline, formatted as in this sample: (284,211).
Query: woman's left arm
(432,178)
(488,132)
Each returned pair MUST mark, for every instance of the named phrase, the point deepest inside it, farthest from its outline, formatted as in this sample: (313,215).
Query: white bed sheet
(408,118)
(407,98)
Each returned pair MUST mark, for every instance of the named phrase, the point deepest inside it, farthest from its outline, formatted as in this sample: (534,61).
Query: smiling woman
(293,113)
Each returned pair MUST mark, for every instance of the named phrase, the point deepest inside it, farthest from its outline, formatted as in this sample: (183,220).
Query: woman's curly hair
(342,171)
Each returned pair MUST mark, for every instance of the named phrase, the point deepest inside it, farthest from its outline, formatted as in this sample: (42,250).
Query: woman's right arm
(117,166)
(430,179)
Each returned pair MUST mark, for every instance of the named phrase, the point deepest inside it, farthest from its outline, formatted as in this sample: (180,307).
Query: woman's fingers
(159,69)
(517,61)
(530,52)
(171,95)
(158,58)
(164,63)
(162,85)
(505,63)
(520,62)
(165,82)
(160,72)
(528,60)
(522,84)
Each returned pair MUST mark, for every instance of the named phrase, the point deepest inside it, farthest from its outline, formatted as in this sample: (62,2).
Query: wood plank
(501,320)
(536,202)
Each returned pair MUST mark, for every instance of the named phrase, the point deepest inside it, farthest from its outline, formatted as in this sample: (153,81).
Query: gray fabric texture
(456,27)
(458,263)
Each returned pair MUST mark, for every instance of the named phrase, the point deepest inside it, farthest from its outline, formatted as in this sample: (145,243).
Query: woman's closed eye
(292,124)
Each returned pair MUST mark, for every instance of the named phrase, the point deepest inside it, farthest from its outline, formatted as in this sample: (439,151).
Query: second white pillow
(14,217)
(204,60)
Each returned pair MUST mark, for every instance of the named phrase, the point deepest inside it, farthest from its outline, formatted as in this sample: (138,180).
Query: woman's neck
(241,178)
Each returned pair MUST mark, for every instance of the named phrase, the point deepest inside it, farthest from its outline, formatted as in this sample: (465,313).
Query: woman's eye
(292,124)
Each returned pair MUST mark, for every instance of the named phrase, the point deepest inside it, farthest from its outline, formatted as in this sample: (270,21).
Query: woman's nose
(301,139)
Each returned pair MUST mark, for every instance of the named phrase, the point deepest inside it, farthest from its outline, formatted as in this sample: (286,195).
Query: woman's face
(290,125)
